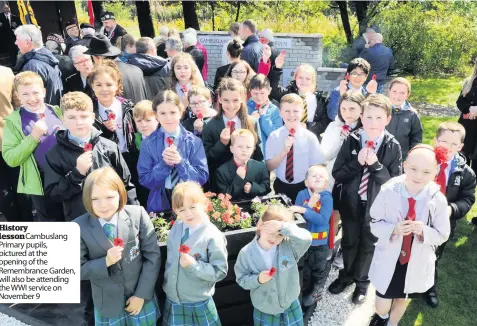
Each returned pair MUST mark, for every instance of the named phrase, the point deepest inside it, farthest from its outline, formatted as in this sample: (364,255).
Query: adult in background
(83,63)
(38,59)
(234,49)
(56,45)
(14,206)
(71,29)
(202,49)
(111,29)
(8,24)
(159,40)
(266,37)
(190,46)
(234,32)
(252,48)
(127,44)
(134,87)
(380,58)
(362,42)
(87,30)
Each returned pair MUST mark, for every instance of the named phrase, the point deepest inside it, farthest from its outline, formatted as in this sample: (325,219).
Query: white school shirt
(377,144)
(117,108)
(238,123)
(267,255)
(306,152)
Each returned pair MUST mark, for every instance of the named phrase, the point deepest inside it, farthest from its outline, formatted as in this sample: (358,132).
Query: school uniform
(460,195)
(470,142)
(358,242)
(136,272)
(189,122)
(398,270)
(269,121)
(189,290)
(306,152)
(141,191)
(318,223)
(218,153)
(406,127)
(275,302)
(63,182)
(161,178)
(316,103)
(335,97)
(229,182)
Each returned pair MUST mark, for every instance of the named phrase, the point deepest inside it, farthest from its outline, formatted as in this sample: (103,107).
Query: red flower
(292,132)
(169,141)
(441,154)
(184,88)
(171,223)
(347,76)
(370,144)
(184,249)
(42,115)
(200,115)
(111,116)
(118,242)
(374,77)
(88,147)
(257,106)
(229,124)
(346,128)
(272,271)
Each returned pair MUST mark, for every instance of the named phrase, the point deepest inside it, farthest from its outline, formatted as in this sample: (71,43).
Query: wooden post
(190,16)
(98,10)
(146,27)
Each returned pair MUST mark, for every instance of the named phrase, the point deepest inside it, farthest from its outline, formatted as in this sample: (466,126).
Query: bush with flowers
(225,215)
(161,226)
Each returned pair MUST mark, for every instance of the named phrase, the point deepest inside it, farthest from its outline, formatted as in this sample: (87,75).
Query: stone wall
(301,48)
(329,78)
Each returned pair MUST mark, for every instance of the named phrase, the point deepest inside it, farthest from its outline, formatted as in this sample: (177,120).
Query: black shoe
(378,321)
(337,286)
(432,299)
(312,298)
(359,295)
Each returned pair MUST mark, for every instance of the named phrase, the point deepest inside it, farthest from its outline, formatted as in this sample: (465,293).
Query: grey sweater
(196,282)
(275,296)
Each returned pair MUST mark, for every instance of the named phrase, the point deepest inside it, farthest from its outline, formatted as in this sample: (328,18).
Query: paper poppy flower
(374,77)
(370,144)
(171,223)
(88,147)
(42,115)
(441,154)
(292,132)
(272,271)
(184,88)
(169,141)
(347,76)
(257,106)
(200,115)
(118,242)
(183,249)
(111,116)
(345,128)
(229,124)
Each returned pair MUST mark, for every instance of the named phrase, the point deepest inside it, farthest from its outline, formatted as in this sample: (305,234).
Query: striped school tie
(289,165)
(185,236)
(305,109)
(363,186)
(174,173)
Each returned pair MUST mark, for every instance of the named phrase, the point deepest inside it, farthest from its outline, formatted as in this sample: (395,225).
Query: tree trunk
(238,11)
(146,27)
(361,14)
(190,16)
(343,5)
(212,6)
(98,10)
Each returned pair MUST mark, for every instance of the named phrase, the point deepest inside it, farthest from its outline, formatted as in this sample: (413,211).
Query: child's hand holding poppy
(39,129)
(264,277)
(372,87)
(134,305)
(114,255)
(225,136)
(186,260)
(289,143)
(84,162)
(198,125)
(371,158)
(315,197)
(110,124)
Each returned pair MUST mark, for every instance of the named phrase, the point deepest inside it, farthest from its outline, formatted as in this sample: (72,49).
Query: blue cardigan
(153,171)
(317,223)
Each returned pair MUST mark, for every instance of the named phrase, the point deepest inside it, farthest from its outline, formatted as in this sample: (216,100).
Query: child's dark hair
(359,63)
(234,48)
(259,82)
(250,72)
(351,96)
(110,68)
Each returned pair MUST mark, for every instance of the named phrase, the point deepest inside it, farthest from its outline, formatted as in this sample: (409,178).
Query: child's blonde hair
(110,68)
(292,99)
(27,78)
(143,109)
(307,68)
(105,177)
(76,101)
(403,81)
(318,167)
(242,133)
(380,101)
(198,90)
(278,213)
(190,190)
(167,96)
(451,126)
(193,67)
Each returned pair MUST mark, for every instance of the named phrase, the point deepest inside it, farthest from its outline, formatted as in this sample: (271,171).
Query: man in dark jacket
(380,58)
(88,32)
(112,30)
(55,43)
(8,24)
(38,59)
(362,42)
(73,37)
(252,48)
(189,42)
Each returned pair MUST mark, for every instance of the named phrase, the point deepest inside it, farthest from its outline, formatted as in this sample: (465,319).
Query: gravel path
(435,110)
(9,321)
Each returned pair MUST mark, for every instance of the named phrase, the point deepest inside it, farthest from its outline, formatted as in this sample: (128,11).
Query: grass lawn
(436,90)
(457,271)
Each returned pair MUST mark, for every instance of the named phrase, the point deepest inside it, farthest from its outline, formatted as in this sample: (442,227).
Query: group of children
(94,160)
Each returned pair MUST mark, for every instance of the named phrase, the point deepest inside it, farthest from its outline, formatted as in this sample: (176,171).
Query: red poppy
(171,223)
(263,40)
(169,141)
(42,115)
(441,154)
(257,106)
(346,128)
(118,242)
(200,115)
(229,124)
(272,271)
(292,132)
(374,77)
(283,52)
(184,88)
(347,76)
(184,249)
(370,144)
(88,147)
(111,116)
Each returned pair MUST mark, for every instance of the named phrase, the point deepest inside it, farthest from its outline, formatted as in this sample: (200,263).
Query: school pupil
(292,149)
(119,253)
(457,181)
(242,177)
(79,150)
(304,84)
(355,77)
(234,49)
(196,260)
(368,158)
(409,218)
(169,155)
(231,115)
(240,70)
(268,267)
(200,103)
(28,134)
(262,109)
(316,205)
(405,124)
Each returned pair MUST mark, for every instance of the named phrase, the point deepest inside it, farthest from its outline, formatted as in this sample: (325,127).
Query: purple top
(46,141)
